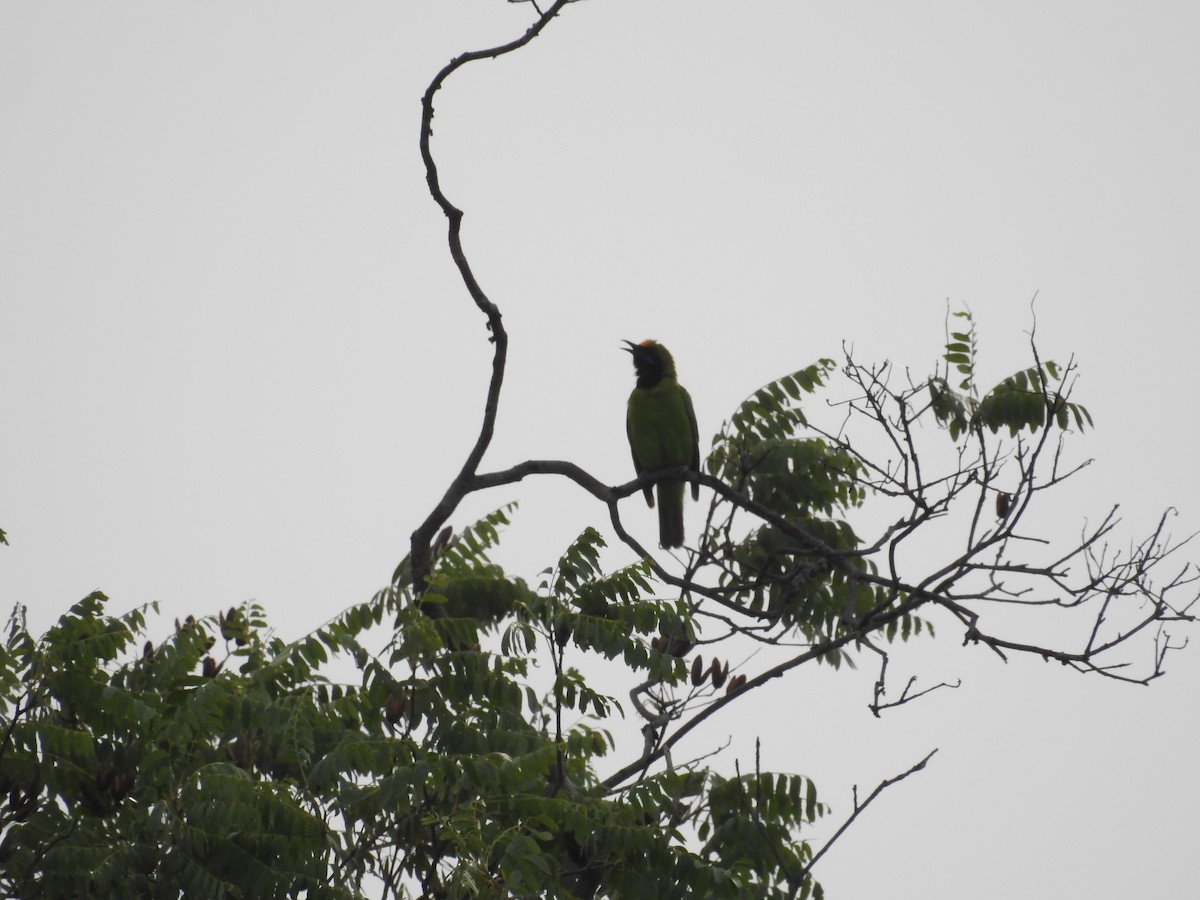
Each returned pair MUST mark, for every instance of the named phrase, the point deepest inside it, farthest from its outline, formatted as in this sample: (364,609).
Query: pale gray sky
(236,361)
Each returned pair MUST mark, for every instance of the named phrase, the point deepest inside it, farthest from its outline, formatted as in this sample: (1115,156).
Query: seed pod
(395,708)
(736,684)
(718,674)
(698,671)
(1003,504)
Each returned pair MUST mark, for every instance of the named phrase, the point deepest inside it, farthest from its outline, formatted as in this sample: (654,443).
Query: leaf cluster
(124,771)
(799,570)
(1029,399)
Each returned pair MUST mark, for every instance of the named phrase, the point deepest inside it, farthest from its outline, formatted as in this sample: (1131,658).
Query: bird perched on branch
(661,426)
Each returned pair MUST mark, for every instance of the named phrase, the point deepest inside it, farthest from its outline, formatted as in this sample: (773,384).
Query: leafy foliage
(124,771)
(1028,399)
(449,742)
(444,768)
(801,569)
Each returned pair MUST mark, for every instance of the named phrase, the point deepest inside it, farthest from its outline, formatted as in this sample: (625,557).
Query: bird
(661,426)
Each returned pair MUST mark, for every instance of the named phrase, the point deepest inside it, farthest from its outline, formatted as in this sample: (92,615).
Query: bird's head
(651,361)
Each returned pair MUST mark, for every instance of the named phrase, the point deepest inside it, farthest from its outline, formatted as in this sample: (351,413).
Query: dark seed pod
(718,674)
(395,708)
(698,671)
(736,684)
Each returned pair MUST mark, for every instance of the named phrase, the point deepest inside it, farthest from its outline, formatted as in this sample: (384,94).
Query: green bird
(661,426)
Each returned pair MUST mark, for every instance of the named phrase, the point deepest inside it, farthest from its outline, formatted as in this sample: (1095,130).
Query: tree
(435,759)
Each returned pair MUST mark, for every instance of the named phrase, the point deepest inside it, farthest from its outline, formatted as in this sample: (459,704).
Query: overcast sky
(236,361)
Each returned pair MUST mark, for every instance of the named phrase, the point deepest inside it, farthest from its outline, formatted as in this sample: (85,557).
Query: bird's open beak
(632,346)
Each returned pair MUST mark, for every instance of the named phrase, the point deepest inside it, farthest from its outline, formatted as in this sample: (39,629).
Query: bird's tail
(670,514)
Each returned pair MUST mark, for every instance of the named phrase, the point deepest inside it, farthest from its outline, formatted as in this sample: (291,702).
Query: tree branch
(460,486)
(798,879)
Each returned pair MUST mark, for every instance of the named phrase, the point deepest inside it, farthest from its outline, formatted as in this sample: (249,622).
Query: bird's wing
(638,468)
(694,464)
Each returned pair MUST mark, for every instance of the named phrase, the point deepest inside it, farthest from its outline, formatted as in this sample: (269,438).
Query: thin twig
(858,808)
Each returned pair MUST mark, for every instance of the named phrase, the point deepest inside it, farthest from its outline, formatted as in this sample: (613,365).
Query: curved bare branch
(459,487)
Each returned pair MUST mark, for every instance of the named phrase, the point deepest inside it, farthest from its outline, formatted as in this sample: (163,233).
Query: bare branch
(798,880)
(459,487)
(905,696)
